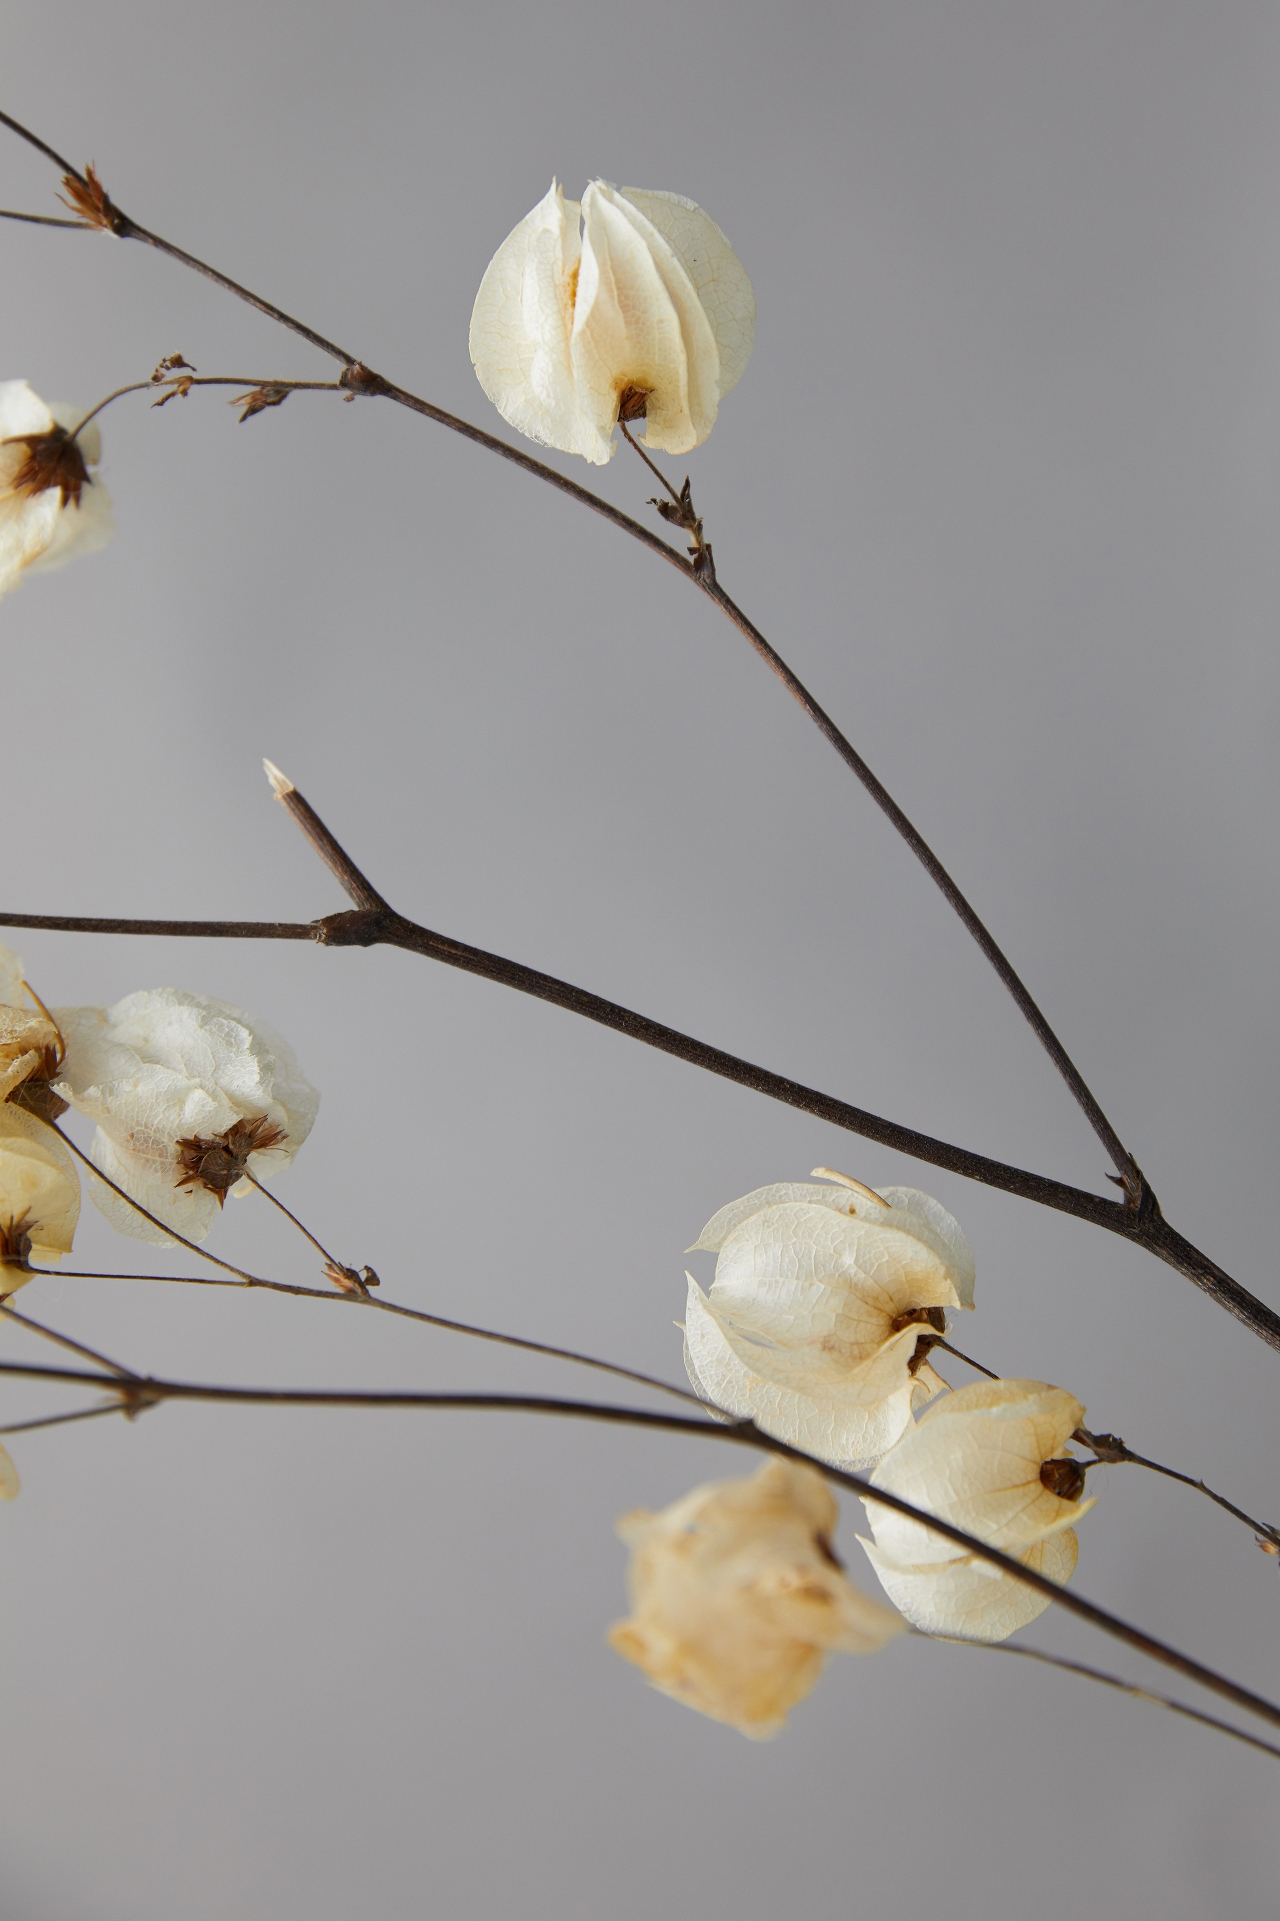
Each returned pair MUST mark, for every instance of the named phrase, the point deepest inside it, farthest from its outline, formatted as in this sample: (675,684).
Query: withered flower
(30,1044)
(190,1096)
(51,507)
(737,1597)
(39,1196)
(991,1459)
(646,314)
(824,1308)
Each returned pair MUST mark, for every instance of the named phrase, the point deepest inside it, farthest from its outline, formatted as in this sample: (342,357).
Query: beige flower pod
(51,506)
(737,1597)
(39,1196)
(10,1485)
(190,1095)
(985,1460)
(647,313)
(29,1041)
(818,1320)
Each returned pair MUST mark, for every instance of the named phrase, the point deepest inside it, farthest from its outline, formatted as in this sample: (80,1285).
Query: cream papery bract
(29,1041)
(976,1460)
(179,1083)
(51,507)
(39,1195)
(632,297)
(820,1313)
(737,1597)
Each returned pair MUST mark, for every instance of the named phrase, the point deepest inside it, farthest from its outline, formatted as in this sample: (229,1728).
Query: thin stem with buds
(98,210)
(182,383)
(152,1390)
(1110,1451)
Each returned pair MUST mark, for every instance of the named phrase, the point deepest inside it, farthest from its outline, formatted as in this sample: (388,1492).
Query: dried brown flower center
(633,403)
(15,1244)
(1065,1478)
(217,1161)
(53,460)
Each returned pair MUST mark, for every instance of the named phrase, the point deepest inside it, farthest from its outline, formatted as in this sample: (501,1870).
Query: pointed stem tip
(281,785)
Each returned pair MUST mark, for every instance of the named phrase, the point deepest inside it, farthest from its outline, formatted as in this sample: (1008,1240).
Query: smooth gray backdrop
(1002,481)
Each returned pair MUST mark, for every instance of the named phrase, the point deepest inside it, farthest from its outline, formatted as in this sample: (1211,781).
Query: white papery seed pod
(51,507)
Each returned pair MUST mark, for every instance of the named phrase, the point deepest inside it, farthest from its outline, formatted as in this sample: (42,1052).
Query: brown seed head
(217,1161)
(1065,1478)
(53,460)
(15,1243)
(633,403)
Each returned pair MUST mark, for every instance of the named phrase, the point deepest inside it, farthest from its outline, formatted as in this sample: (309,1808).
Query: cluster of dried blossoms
(826,1305)
(193,1101)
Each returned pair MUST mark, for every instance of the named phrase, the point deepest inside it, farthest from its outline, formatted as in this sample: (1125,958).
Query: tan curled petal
(521,323)
(841,1200)
(849,1422)
(39,1190)
(736,1597)
(714,268)
(967,1598)
(12,974)
(974,1459)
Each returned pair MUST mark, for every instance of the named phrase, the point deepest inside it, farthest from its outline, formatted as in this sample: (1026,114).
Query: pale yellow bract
(39,1191)
(814,1322)
(737,1597)
(647,300)
(975,1459)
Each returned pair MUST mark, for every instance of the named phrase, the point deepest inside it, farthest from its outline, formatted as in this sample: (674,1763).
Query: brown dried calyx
(934,1317)
(89,200)
(633,403)
(53,460)
(217,1161)
(15,1245)
(1064,1477)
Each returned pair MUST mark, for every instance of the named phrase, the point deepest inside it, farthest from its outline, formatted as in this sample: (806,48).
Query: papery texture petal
(735,1597)
(10,1486)
(718,275)
(79,529)
(626,330)
(841,1200)
(22,411)
(974,1459)
(38,1186)
(702,356)
(521,323)
(12,974)
(27,527)
(849,1422)
(967,1598)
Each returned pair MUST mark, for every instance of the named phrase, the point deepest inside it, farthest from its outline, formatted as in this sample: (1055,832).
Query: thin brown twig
(741,1434)
(357,378)
(1112,1452)
(517,1341)
(64,1340)
(1108,1680)
(64,1420)
(374,923)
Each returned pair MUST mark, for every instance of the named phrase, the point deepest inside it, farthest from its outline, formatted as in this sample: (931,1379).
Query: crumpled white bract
(28,1038)
(818,1307)
(737,1597)
(647,306)
(975,1460)
(163,1069)
(51,507)
(39,1195)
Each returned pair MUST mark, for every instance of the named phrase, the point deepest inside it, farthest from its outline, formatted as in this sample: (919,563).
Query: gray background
(1002,482)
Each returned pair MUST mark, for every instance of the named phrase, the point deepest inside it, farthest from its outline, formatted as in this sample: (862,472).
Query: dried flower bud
(190,1095)
(30,1044)
(991,1460)
(737,1597)
(39,1196)
(815,1325)
(51,507)
(647,314)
